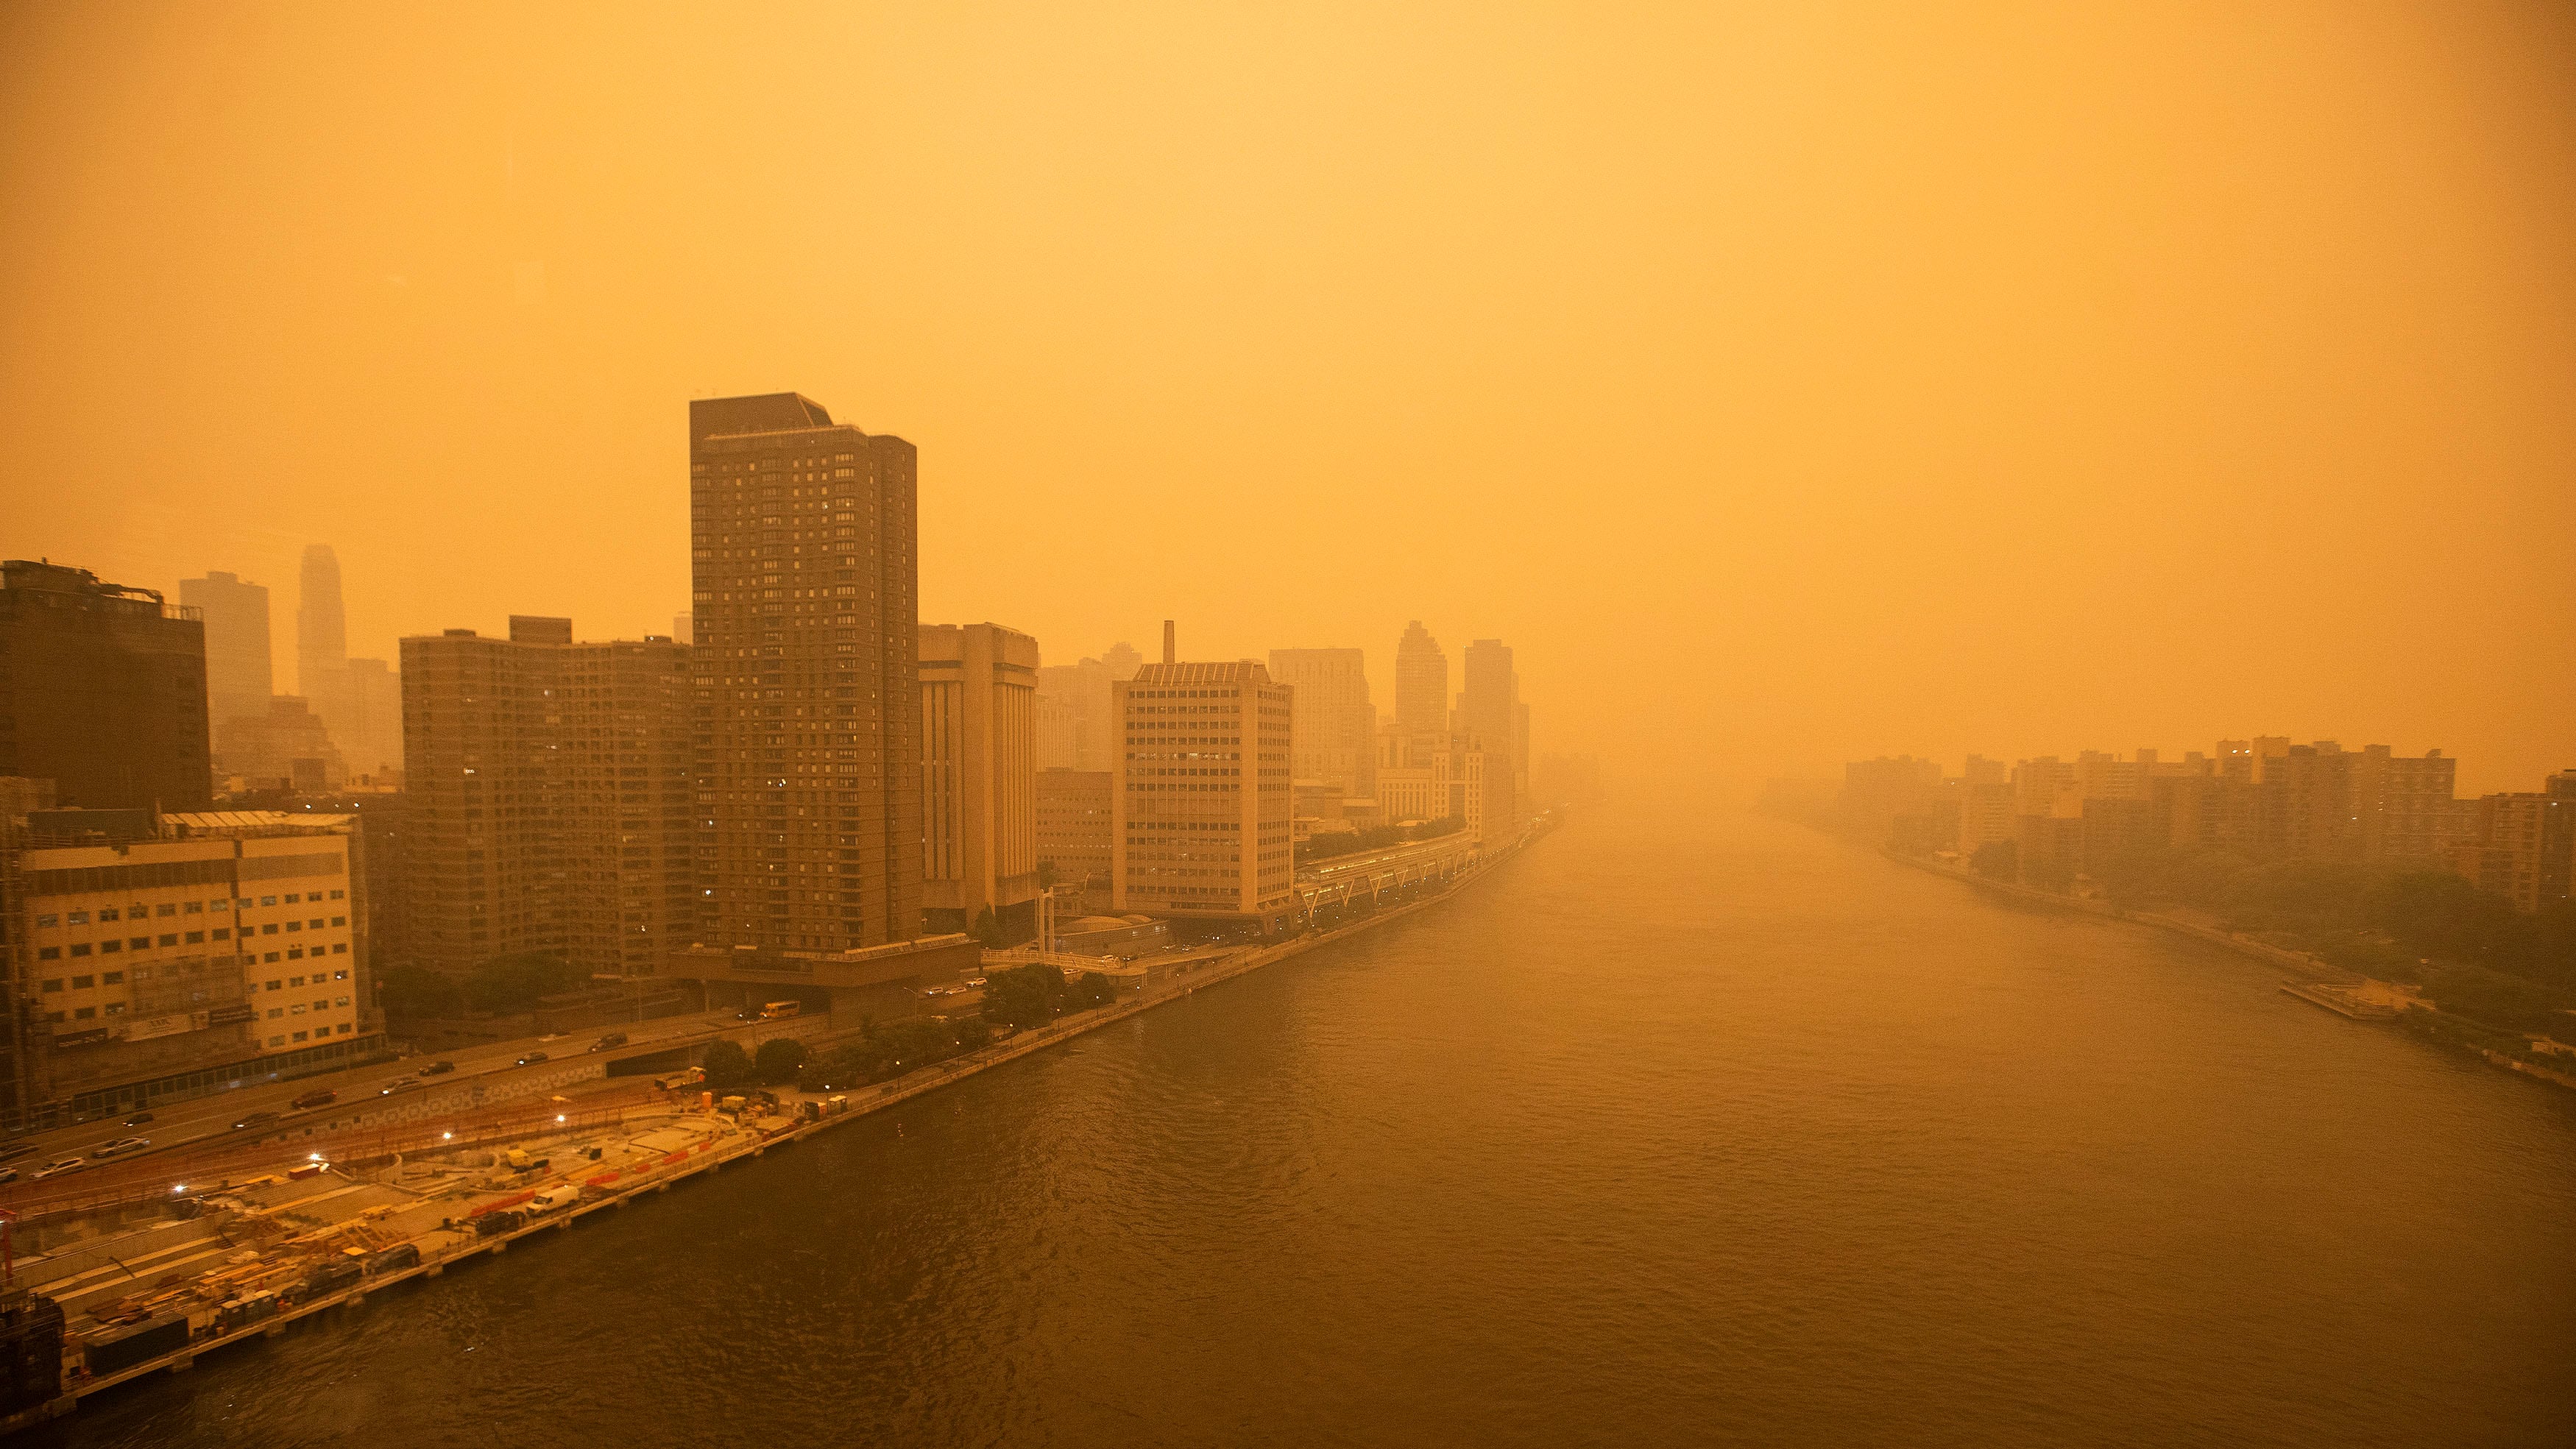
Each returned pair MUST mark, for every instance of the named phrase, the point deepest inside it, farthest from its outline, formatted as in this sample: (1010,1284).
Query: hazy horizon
(1784,389)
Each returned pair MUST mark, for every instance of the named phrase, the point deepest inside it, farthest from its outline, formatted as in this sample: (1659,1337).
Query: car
(120,1147)
(318,1097)
(58,1167)
(436,1069)
(398,1084)
(531,1059)
(613,1039)
(748,1013)
(137,1120)
(255,1119)
(8,1174)
(12,1154)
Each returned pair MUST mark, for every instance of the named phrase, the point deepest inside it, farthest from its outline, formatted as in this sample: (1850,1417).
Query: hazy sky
(1784,384)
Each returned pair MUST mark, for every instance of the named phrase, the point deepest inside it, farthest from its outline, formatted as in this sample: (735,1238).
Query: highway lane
(207,1118)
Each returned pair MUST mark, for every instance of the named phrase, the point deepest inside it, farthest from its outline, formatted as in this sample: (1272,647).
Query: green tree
(777,1060)
(1024,996)
(726,1064)
(987,931)
(1094,989)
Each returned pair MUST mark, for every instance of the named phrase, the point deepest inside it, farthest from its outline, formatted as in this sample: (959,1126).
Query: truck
(561,1195)
(686,1077)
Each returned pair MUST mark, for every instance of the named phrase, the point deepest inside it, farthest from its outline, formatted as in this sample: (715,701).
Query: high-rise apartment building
(284,747)
(551,798)
(240,668)
(2522,845)
(1073,714)
(808,692)
(1421,682)
(979,778)
(1489,709)
(1202,793)
(1335,726)
(102,690)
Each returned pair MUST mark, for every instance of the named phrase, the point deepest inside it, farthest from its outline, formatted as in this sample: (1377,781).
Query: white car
(57,1167)
(120,1147)
(398,1084)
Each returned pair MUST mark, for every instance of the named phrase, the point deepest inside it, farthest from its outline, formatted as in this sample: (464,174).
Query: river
(1678,1129)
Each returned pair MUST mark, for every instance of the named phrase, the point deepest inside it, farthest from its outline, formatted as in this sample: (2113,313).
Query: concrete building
(102,691)
(979,778)
(1201,795)
(2522,845)
(1335,725)
(169,957)
(1421,683)
(240,666)
(284,747)
(808,677)
(551,798)
(1073,706)
(1876,792)
(1074,831)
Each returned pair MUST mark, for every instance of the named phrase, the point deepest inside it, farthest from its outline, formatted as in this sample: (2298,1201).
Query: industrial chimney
(1171,648)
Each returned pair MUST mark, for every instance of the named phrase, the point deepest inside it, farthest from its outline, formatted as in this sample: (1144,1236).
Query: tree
(514,982)
(419,991)
(1095,989)
(987,931)
(777,1060)
(1024,996)
(726,1064)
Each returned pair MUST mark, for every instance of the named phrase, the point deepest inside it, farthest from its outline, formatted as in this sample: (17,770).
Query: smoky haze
(1783,387)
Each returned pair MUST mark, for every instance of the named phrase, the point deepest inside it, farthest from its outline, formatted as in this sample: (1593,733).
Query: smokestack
(1171,649)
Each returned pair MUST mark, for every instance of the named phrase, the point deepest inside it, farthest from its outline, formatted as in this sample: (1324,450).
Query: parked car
(137,1120)
(120,1147)
(318,1097)
(613,1039)
(255,1119)
(435,1069)
(531,1059)
(58,1167)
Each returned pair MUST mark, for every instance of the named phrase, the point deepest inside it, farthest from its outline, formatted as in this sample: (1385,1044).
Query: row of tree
(499,986)
(2471,951)
(1352,842)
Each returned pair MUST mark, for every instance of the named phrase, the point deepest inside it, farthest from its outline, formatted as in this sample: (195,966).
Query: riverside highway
(205,1120)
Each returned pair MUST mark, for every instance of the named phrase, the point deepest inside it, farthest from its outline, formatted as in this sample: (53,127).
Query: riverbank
(2317,981)
(244,1260)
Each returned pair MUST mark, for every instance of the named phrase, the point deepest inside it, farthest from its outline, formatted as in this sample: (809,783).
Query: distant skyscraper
(240,676)
(808,677)
(1489,710)
(1421,683)
(321,627)
(102,691)
(1122,660)
(684,629)
(1336,725)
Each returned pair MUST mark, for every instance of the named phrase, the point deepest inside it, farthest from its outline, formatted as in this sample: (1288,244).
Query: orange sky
(1784,384)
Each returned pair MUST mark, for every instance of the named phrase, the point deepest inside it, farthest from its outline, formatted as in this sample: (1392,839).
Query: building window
(112,978)
(292,898)
(336,920)
(339,975)
(271,958)
(83,1013)
(116,1008)
(301,1035)
(277,1041)
(223,933)
(196,938)
(80,918)
(340,1001)
(269,930)
(49,953)
(222,905)
(196,908)
(342,1028)
(43,921)
(294,953)
(294,980)
(170,940)
(109,914)
(268,900)
(167,910)
(141,943)
(297,1009)
(339,948)
(275,1012)
(337,895)
(274,986)
(53,983)
(83,983)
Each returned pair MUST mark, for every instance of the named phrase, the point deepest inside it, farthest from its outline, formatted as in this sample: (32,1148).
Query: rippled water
(1668,1132)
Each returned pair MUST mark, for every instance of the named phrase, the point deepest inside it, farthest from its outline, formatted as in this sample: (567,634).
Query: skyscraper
(1336,725)
(102,691)
(240,673)
(1489,710)
(808,694)
(1421,683)
(551,794)
(1200,793)
(321,628)
(979,777)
